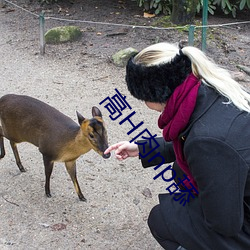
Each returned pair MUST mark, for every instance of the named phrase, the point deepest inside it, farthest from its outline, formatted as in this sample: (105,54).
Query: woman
(205,117)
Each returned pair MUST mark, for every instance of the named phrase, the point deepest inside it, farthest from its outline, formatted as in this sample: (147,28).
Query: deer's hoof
(48,195)
(82,198)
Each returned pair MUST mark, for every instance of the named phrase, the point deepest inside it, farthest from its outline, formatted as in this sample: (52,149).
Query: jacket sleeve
(165,149)
(220,173)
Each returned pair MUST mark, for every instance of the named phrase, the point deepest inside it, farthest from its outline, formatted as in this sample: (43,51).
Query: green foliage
(244,4)
(226,6)
(157,6)
(165,6)
(211,7)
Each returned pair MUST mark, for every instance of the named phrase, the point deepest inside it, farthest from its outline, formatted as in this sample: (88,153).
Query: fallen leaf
(147,15)
(58,227)
(147,193)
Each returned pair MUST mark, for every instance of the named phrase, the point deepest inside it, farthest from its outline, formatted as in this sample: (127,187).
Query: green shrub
(211,7)
(232,6)
(157,6)
(165,6)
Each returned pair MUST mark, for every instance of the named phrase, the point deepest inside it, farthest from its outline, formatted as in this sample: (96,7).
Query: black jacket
(216,145)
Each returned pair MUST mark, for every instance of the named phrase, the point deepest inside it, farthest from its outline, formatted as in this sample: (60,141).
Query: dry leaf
(147,15)
(147,193)
(58,227)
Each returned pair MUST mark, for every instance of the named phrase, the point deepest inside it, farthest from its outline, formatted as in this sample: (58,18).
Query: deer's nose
(106,156)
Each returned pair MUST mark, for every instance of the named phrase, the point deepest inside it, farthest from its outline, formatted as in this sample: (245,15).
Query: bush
(232,6)
(165,6)
(156,6)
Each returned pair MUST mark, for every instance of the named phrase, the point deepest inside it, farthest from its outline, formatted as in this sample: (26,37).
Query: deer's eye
(91,136)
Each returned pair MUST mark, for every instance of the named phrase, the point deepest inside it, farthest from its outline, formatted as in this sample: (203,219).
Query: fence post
(2,3)
(191,35)
(204,24)
(42,31)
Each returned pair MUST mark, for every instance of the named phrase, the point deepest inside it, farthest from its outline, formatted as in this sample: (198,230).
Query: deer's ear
(80,118)
(96,112)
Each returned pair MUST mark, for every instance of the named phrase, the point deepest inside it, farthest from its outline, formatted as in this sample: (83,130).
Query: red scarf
(175,117)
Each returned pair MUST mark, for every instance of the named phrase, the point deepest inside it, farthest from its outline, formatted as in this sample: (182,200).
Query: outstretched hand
(123,150)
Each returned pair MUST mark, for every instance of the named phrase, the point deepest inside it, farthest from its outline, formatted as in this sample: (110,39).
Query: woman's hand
(123,150)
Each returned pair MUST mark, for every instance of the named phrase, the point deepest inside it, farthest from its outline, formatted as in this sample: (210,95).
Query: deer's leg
(48,165)
(71,168)
(1,144)
(18,161)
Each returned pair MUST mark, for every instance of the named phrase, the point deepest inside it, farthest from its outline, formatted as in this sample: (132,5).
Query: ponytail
(218,78)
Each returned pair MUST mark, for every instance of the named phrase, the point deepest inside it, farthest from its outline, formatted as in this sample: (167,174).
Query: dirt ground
(77,76)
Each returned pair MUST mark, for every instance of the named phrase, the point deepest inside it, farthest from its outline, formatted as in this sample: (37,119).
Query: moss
(121,58)
(63,34)
(163,22)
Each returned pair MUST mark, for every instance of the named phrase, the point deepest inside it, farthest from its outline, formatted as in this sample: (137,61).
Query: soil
(77,76)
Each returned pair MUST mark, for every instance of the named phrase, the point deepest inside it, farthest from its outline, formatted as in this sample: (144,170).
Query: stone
(63,34)
(121,58)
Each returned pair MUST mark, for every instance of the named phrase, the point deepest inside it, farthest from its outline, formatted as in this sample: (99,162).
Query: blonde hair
(203,67)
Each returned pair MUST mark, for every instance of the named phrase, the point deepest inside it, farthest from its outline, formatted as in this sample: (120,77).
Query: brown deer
(59,138)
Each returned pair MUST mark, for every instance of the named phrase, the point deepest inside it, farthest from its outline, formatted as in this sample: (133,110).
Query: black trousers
(159,229)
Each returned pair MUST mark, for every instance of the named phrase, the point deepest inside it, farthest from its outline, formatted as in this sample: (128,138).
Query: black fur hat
(156,83)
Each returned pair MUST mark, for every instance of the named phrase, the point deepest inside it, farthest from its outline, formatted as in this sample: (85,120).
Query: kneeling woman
(205,118)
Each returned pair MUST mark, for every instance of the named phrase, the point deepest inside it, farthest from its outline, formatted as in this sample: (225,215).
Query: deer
(58,138)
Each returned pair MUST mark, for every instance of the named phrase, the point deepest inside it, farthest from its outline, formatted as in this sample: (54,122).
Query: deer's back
(24,118)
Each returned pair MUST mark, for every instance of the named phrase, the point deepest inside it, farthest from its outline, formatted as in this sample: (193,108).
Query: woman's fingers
(114,147)
(121,148)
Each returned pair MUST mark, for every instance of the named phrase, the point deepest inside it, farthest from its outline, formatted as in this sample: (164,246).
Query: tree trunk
(183,11)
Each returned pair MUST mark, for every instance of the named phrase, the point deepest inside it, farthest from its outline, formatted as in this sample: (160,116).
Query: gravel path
(74,77)
(115,214)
